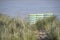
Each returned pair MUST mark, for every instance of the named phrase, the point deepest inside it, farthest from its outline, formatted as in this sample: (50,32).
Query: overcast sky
(25,7)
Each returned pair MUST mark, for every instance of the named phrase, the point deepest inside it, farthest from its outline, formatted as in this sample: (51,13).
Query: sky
(24,7)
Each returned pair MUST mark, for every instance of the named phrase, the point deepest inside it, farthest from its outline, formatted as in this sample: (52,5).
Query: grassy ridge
(18,29)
